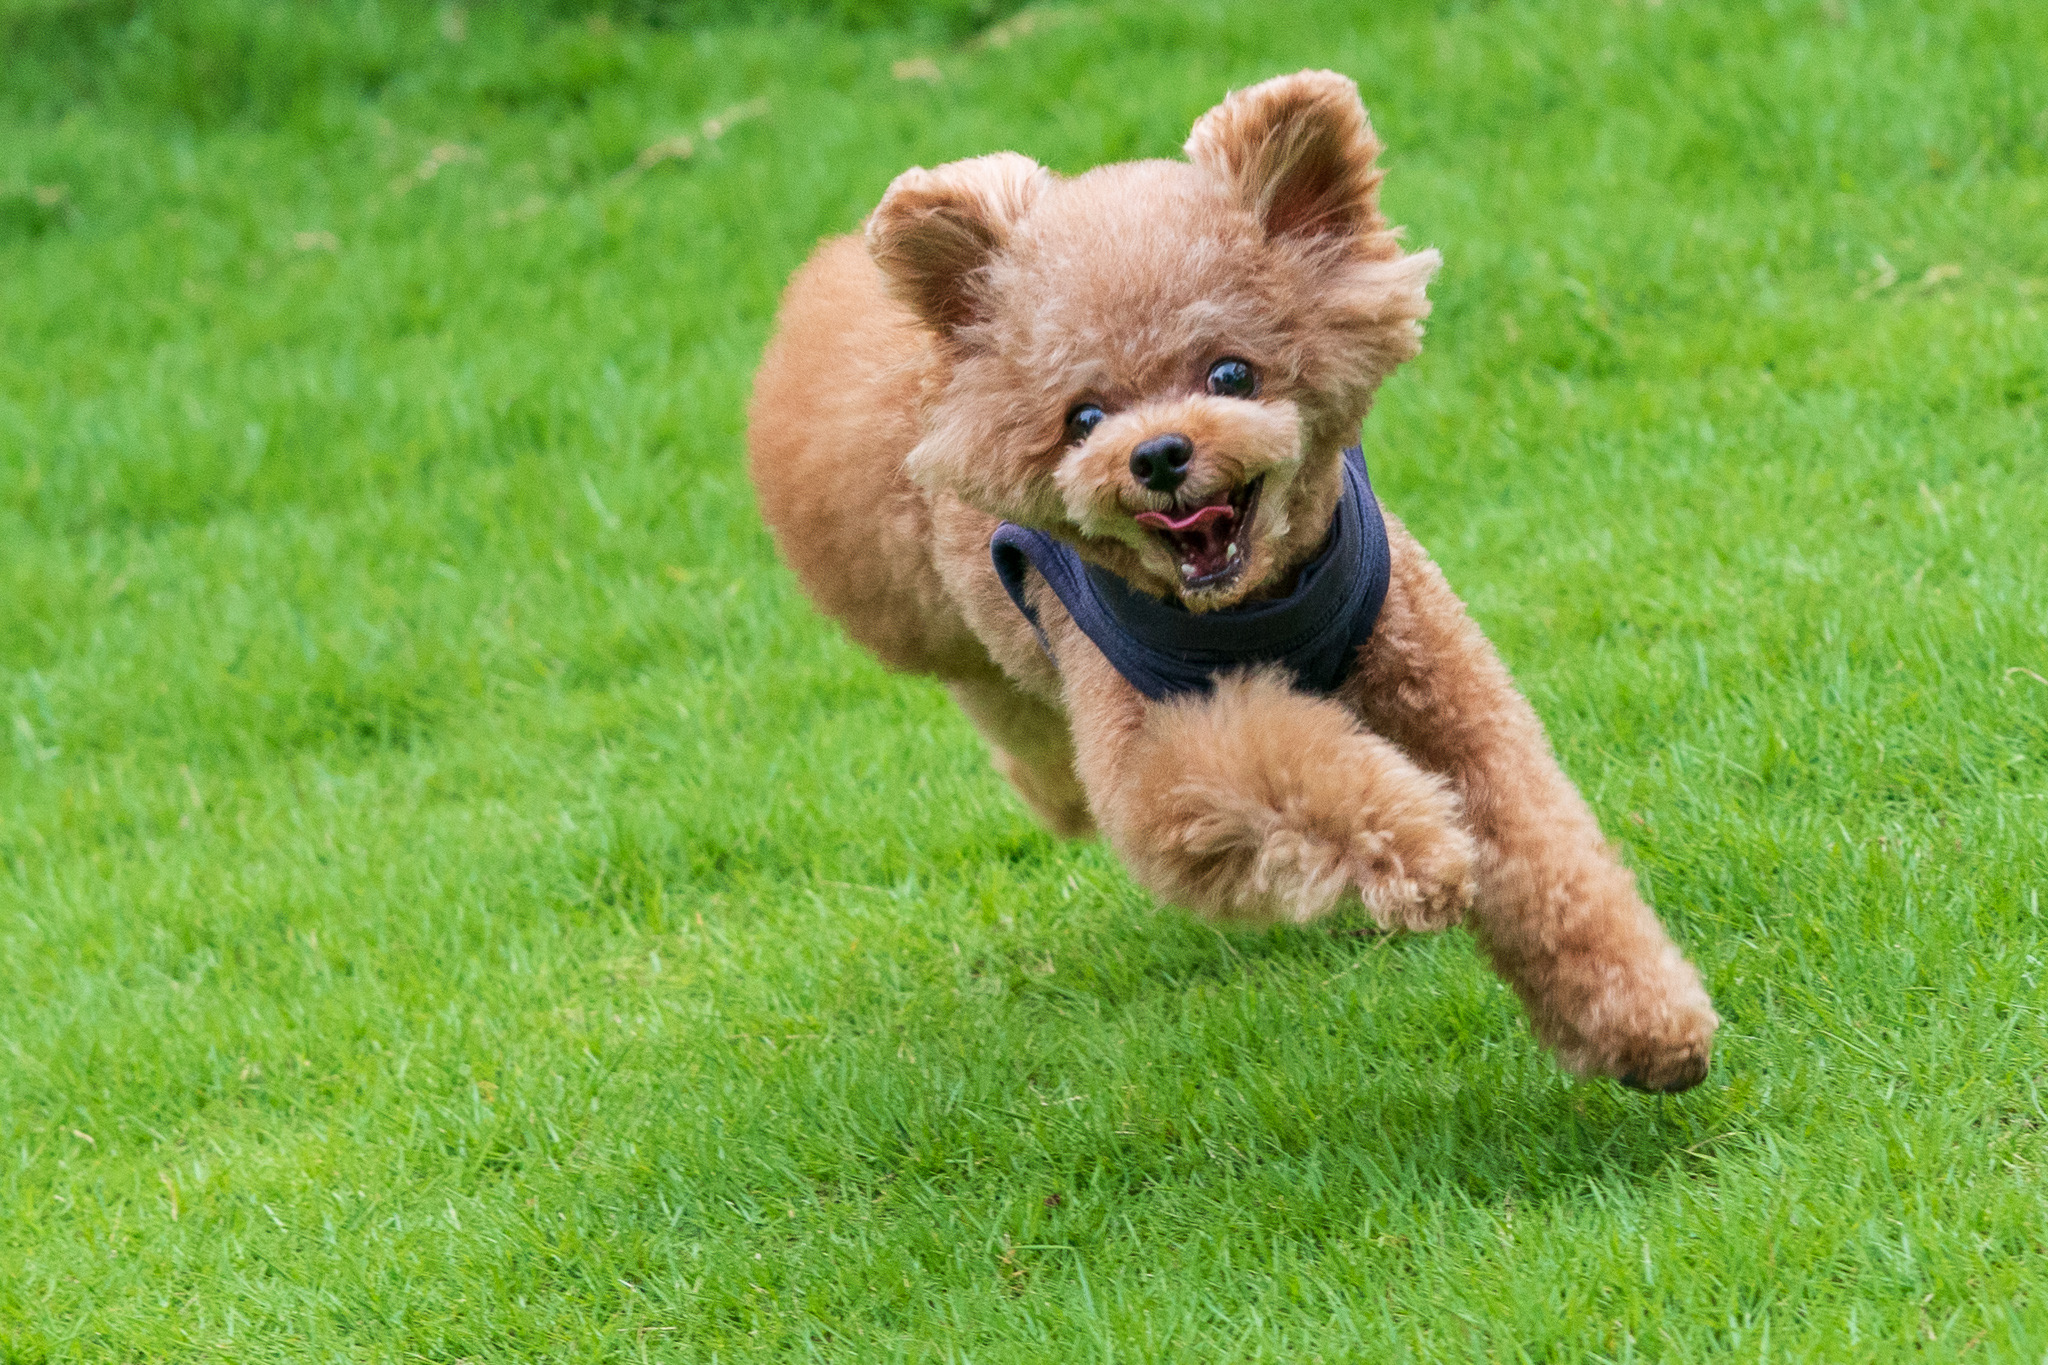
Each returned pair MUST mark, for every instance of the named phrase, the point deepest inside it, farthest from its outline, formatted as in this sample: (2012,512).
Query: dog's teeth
(1231,552)
(1187,571)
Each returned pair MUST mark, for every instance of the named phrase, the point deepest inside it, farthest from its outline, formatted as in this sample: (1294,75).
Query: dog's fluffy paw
(1412,873)
(1416,871)
(1261,803)
(1648,1024)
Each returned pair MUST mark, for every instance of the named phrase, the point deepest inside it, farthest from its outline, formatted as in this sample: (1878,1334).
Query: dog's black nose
(1161,464)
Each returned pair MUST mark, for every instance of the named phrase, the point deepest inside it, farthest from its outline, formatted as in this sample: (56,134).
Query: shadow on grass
(1108,1048)
(1151,1063)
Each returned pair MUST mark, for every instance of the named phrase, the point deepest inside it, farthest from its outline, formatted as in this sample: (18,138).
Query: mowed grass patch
(458,901)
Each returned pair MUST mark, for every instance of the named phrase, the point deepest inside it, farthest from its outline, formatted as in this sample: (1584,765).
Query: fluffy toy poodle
(1084,449)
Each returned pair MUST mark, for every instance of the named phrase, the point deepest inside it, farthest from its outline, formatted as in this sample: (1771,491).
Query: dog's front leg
(1556,911)
(1257,802)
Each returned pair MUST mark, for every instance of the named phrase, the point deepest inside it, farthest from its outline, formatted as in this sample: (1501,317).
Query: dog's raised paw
(1295,876)
(1259,803)
(1417,874)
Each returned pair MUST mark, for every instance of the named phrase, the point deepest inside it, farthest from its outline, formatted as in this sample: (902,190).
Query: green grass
(457,901)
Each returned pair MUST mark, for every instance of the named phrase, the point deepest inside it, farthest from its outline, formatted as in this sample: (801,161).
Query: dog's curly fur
(919,390)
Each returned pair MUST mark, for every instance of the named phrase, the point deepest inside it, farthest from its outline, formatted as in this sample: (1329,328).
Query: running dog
(1084,449)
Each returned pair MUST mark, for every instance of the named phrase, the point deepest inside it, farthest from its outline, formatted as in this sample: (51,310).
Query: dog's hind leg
(1030,745)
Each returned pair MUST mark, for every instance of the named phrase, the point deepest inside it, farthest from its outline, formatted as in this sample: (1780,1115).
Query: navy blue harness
(1165,650)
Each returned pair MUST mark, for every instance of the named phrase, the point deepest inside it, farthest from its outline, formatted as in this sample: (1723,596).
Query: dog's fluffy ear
(935,230)
(1297,153)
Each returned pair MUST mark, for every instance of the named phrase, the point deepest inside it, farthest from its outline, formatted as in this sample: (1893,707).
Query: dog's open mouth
(1211,543)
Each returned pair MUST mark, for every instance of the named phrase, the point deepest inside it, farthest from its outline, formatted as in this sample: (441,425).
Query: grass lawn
(458,902)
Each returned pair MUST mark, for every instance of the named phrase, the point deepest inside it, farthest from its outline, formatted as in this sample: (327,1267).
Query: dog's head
(1161,362)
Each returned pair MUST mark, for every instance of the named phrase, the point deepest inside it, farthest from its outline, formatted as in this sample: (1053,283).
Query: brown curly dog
(1158,365)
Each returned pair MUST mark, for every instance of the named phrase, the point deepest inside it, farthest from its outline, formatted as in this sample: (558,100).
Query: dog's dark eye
(1232,378)
(1083,420)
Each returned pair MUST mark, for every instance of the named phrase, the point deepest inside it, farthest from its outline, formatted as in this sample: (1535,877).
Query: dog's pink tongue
(1201,538)
(1199,517)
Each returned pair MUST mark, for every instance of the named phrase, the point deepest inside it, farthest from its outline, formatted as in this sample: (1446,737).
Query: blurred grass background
(457,901)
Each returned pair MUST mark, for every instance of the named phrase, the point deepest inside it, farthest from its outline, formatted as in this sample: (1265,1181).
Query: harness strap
(1164,650)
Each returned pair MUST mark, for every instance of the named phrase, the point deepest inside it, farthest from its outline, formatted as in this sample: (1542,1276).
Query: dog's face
(1161,362)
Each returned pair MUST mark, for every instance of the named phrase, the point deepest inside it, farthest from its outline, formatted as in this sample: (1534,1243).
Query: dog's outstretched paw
(1648,1024)
(1673,1056)
(1671,1075)
(1666,1066)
